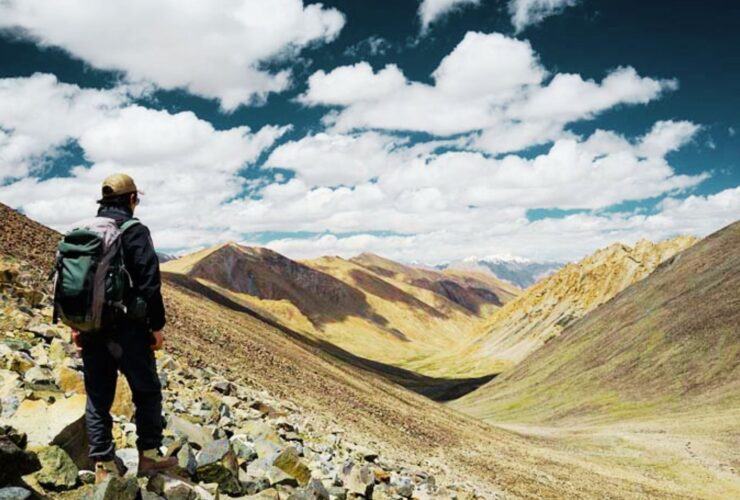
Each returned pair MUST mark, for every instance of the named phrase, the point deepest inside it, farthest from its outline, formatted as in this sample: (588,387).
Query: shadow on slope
(437,389)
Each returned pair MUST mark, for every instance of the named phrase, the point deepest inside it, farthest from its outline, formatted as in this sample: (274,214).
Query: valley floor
(681,455)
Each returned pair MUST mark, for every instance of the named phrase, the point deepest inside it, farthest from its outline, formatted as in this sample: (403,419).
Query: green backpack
(91,283)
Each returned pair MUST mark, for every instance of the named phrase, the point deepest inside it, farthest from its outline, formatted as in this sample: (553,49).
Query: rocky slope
(228,438)
(26,239)
(539,314)
(370,307)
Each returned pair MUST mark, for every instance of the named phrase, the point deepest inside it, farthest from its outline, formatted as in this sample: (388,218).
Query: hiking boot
(109,468)
(151,462)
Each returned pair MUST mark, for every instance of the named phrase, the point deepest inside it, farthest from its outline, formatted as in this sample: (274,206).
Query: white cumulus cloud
(187,168)
(528,12)
(433,10)
(560,239)
(490,85)
(212,48)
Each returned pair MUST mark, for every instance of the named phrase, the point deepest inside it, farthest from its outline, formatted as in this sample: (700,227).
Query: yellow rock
(69,380)
(18,363)
(58,351)
(123,403)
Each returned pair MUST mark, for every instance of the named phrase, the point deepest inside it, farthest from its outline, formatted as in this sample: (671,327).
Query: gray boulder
(14,493)
(116,488)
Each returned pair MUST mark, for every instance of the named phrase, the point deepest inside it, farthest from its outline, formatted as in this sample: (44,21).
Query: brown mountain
(369,306)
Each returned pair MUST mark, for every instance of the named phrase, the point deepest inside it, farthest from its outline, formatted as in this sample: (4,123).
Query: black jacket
(141,262)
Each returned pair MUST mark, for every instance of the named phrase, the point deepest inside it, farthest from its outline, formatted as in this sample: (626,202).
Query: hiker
(126,343)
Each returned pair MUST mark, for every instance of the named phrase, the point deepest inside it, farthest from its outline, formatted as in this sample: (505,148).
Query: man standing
(128,345)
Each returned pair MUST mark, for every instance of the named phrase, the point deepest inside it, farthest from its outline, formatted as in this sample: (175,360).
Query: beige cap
(118,184)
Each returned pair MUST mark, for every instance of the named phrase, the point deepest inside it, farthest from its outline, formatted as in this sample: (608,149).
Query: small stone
(17,345)
(16,361)
(402,485)
(14,493)
(217,464)
(244,450)
(69,380)
(381,475)
(252,486)
(38,353)
(86,477)
(130,458)
(172,488)
(47,332)
(58,351)
(186,460)
(275,476)
(289,462)
(116,488)
(123,404)
(8,406)
(9,382)
(222,386)
(357,479)
(194,433)
(337,492)
(58,471)
(266,441)
(316,490)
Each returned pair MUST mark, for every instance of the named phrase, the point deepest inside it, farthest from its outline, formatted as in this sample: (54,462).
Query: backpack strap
(131,222)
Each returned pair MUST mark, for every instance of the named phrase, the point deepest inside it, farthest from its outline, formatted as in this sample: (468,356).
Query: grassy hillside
(668,344)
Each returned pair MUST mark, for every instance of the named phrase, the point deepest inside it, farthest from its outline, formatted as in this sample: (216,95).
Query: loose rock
(58,471)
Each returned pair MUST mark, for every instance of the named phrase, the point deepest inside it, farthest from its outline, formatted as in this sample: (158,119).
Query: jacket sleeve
(143,265)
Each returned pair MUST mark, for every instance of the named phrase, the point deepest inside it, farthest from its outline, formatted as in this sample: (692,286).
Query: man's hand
(77,339)
(158,340)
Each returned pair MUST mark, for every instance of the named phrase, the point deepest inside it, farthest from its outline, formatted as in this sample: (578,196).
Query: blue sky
(422,130)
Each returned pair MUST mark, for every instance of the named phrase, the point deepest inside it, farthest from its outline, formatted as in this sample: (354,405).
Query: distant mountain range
(518,271)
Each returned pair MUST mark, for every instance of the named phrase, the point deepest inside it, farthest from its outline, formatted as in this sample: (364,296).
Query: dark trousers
(127,350)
